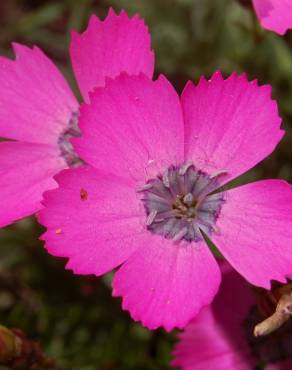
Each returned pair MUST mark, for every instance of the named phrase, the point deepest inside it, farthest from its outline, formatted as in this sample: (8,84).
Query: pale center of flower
(179,204)
(66,148)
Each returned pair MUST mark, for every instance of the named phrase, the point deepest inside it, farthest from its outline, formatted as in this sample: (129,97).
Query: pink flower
(221,336)
(146,195)
(39,112)
(274,15)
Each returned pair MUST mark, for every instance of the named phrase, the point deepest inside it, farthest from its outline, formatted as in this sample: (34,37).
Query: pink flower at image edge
(39,113)
(274,15)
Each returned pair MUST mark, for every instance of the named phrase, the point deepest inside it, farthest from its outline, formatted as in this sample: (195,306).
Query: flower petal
(274,15)
(107,48)
(26,171)
(166,284)
(132,127)
(255,227)
(36,102)
(93,219)
(230,125)
(215,339)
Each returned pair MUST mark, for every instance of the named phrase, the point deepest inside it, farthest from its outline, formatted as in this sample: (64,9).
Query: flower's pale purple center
(66,148)
(179,205)
(271,348)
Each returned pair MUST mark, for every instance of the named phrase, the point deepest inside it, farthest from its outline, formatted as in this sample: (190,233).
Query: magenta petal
(275,15)
(36,101)
(26,171)
(255,231)
(230,125)
(165,284)
(107,48)
(93,219)
(215,339)
(133,126)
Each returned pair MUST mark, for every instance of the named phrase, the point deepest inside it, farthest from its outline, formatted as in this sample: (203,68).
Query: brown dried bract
(17,351)
(283,312)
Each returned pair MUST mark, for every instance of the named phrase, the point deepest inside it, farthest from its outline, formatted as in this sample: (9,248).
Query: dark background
(75,318)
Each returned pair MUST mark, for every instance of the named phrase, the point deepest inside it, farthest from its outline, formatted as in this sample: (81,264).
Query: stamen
(218,173)
(215,228)
(151,217)
(180,234)
(165,179)
(165,215)
(145,187)
(188,199)
(183,169)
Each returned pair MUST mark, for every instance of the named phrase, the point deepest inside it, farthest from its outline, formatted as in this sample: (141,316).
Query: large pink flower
(39,112)
(147,193)
(274,15)
(221,336)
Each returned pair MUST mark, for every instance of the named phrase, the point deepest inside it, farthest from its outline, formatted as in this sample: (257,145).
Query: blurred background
(78,323)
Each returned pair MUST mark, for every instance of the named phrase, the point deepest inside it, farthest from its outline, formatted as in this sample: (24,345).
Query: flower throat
(179,204)
(66,148)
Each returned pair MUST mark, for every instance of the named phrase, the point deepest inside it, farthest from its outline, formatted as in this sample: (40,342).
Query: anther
(183,169)
(180,234)
(188,199)
(218,173)
(145,187)
(215,228)
(151,217)
(165,179)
